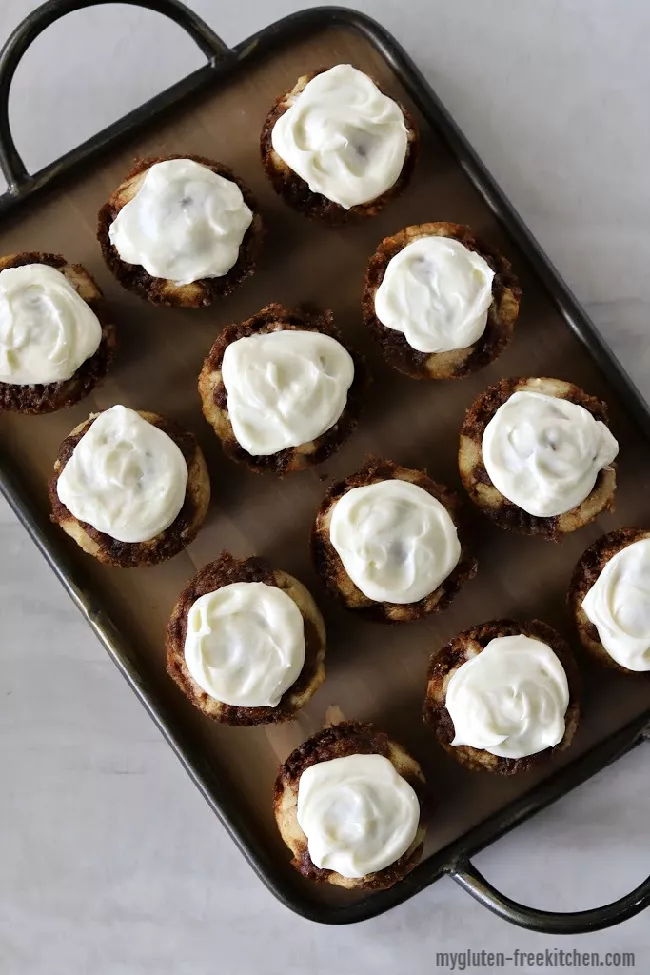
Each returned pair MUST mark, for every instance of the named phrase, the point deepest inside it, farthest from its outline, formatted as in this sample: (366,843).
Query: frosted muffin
(537,456)
(609,599)
(387,542)
(439,302)
(180,230)
(56,342)
(504,696)
(131,488)
(336,145)
(246,642)
(348,804)
(281,390)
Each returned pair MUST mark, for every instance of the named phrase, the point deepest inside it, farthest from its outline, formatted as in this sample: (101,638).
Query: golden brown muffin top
(214,396)
(585,575)
(331,568)
(223,572)
(293,188)
(339,741)
(46,398)
(464,647)
(174,538)
(160,291)
(455,364)
(483,492)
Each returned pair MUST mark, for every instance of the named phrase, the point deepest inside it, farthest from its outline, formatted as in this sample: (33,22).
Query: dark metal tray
(373,673)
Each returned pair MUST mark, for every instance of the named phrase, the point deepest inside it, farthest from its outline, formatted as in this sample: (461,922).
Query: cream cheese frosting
(245,644)
(47,331)
(618,605)
(510,699)
(285,388)
(358,813)
(397,542)
(125,477)
(544,453)
(437,293)
(184,223)
(343,136)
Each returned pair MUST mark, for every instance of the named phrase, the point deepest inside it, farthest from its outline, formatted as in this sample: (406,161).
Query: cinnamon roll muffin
(504,696)
(246,642)
(131,488)
(180,230)
(281,390)
(609,599)
(387,542)
(349,805)
(537,456)
(336,145)
(440,303)
(56,341)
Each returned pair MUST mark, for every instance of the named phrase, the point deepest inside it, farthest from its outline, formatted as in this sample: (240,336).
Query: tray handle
(11,163)
(472,880)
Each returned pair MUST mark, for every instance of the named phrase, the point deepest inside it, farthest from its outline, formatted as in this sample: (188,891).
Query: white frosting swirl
(184,223)
(437,293)
(618,604)
(397,542)
(285,388)
(47,331)
(245,644)
(544,453)
(125,477)
(510,699)
(343,136)
(359,815)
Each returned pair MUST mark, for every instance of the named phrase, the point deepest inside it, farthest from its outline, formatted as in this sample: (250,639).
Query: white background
(110,861)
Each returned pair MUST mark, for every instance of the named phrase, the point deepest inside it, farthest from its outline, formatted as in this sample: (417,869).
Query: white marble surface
(110,862)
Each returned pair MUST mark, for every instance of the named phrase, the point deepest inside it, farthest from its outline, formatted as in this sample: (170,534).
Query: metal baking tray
(374,673)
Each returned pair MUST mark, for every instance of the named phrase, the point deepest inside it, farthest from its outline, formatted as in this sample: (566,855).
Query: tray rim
(452,860)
